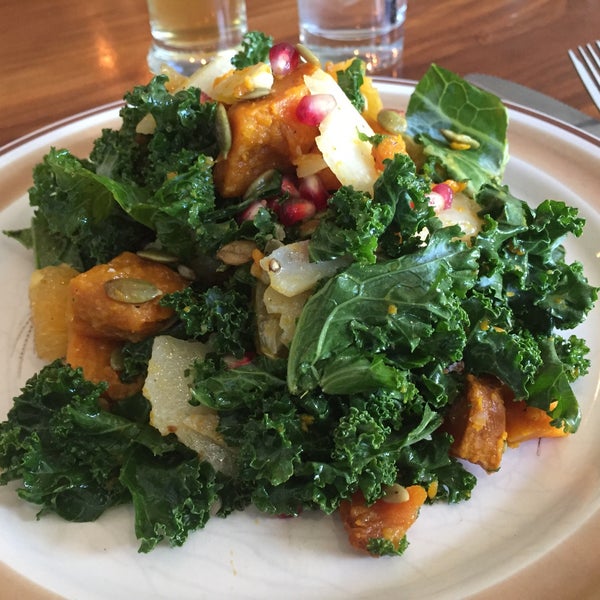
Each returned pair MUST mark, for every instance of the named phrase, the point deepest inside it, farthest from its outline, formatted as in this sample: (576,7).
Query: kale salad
(283,294)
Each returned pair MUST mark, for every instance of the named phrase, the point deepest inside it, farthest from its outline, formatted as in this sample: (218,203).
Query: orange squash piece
(477,422)
(525,423)
(98,325)
(93,313)
(383,519)
(265,134)
(93,355)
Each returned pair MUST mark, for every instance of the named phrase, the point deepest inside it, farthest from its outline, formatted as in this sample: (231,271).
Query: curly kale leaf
(184,130)
(77,459)
(350,80)
(221,313)
(352,226)
(400,187)
(255,49)
(385,547)
(407,309)
(76,218)
(311,451)
(523,259)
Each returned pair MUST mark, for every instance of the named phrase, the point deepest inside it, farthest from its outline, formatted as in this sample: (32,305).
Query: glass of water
(187,34)
(369,29)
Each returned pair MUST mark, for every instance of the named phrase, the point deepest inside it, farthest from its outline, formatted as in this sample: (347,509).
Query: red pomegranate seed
(234,363)
(444,190)
(295,210)
(289,186)
(251,211)
(284,58)
(313,189)
(312,109)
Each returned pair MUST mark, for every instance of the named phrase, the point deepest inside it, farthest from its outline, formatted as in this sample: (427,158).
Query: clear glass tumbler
(370,29)
(187,34)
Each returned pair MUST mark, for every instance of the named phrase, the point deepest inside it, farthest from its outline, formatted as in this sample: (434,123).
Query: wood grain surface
(66,56)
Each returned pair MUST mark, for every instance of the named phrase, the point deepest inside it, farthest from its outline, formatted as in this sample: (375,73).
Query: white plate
(544,500)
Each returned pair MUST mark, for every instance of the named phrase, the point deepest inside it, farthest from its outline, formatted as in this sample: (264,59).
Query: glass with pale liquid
(187,34)
(339,29)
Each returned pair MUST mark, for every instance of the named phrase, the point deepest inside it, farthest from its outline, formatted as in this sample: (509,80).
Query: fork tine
(588,73)
(589,59)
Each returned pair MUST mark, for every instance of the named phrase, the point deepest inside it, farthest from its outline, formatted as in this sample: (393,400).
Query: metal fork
(588,69)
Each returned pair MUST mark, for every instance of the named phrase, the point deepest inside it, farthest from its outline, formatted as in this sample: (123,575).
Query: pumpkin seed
(222,130)
(265,181)
(117,362)
(157,255)
(392,121)
(146,125)
(258,92)
(131,291)
(462,141)
(308,55)
(236,253)
(396,494)
(186,272)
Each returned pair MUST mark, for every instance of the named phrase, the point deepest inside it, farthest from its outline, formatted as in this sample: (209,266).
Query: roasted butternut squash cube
(384,519)
(265,134)
(525,423)
(94,356)
(477,422)
(95,312)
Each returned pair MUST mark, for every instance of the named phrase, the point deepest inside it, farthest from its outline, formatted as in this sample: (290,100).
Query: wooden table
(65,56)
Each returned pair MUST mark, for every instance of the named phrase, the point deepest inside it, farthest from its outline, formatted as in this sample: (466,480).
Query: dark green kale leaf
(184,130)
(406,309)
(350,80)
(171,495)
(76,219)
(399,186)
(255,49)
(77,459)
(133,358)
(444,101)
(222,313)
(385,547)
(311,451)
(351,226)
(523,260)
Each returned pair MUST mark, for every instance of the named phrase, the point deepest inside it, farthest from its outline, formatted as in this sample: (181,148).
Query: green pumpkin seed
(117,362)
(392,121)
(157,255)
(223,130)
(460,138)
(131,291)
(308,55)
(258,92)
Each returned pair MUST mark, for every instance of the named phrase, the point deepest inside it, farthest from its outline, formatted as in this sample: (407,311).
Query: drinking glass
(186,34)
(370,29)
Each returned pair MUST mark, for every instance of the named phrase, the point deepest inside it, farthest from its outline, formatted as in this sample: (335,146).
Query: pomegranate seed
(313,189)
(289,186)
(294,210)
(234,363)
(312,109)
(436,201)
(284,58)
(251,211)
(444,190)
